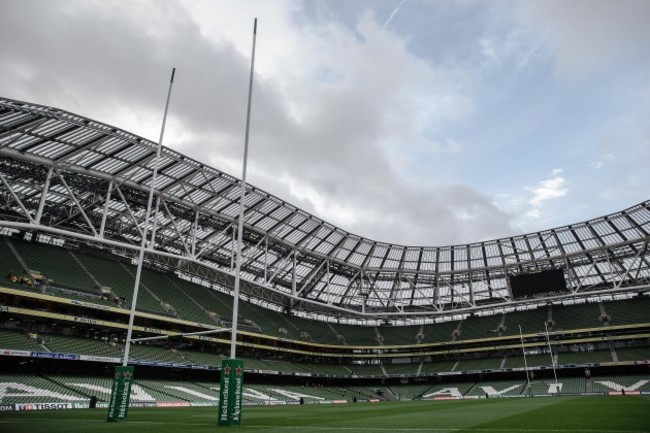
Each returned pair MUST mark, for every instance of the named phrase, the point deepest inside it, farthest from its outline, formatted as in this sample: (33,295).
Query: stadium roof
(64,174)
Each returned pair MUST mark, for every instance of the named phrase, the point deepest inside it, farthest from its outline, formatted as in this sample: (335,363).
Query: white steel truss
(86,181)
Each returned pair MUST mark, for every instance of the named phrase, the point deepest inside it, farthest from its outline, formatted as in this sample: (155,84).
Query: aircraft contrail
(392,15)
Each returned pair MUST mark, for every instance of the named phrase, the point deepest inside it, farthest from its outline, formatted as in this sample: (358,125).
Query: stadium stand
(181,305)
(80,346)
(628,311)
(56,264)
(517,361)
(633,353)
(352,335)
(318,332)
(475,327)
(584,356)
(323,312)
(145,352)
(25,388)
(409,392)
(407,369)
(531,321)
(437,366)
(478,364)
(621,383)
(394,335)
(367,370)
(576,316)
(120,278)
(451,389)
(439,332)
(19,340)
(498,389)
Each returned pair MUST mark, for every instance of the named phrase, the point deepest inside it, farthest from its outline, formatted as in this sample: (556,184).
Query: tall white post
(550,350)
(143,242)
(523,350)
(240,231)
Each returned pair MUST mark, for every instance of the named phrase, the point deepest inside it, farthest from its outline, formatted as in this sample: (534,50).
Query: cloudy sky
(406,121)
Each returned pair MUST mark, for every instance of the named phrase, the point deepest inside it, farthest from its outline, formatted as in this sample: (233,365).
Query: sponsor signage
(202,404)
(43,406)
(230,392)
(11,352)
(98,358)
(118,405)
(173,404)
(70,356)
(7,407)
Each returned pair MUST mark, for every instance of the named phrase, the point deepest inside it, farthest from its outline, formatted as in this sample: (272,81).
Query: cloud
(602,161)
(548,189)
(586,35)
(334,107)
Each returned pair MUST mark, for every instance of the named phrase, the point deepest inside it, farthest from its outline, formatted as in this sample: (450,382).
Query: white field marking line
(427,429)
(312,428)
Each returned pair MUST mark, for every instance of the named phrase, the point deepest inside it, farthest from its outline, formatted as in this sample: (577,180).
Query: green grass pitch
(615,414)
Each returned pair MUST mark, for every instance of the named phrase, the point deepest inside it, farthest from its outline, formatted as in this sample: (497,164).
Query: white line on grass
(359,429)
(438,430)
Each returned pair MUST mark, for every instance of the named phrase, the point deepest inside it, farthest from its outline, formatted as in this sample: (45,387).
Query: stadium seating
(182,305)
(57,264)
(332,369)
(573,385)
(30,388)
(201,358)
(311,330)
(576,316)
(357,335)
(640,353)
(505,388)
(121,279)
(145,352)
(26,388)
(628,311)
(584,357)
(439,332)
(367,370)
(86,385)
(478,364)
(211,300)
(531,321)
(395,335)
(437,366)
(80,346)
(475,327)
(618,383)
(564,386)
(18,340)
(452,389)
(517,361)
(401,369)
(409,392)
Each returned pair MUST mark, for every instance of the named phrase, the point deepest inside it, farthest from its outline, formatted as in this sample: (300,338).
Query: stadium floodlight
(123,376)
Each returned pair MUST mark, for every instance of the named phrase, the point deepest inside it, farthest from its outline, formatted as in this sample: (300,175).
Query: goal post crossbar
(184,334)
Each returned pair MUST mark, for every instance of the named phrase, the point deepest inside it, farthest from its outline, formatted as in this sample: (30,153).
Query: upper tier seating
(167,294)
(478,364)
(580,316)
(628,311)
